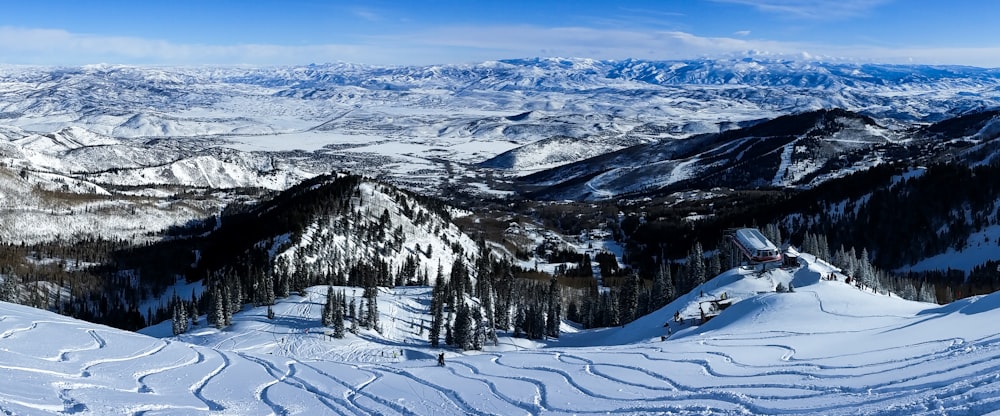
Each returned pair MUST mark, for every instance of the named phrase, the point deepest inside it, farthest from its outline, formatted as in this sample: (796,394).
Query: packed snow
(826,348)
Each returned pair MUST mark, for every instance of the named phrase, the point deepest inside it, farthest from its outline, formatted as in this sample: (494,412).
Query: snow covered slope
(826,348)
(794,150)
(417,124)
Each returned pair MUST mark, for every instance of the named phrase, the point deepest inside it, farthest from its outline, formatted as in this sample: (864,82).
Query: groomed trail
(827,348)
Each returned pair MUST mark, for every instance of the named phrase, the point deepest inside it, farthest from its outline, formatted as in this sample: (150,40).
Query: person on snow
(441,359)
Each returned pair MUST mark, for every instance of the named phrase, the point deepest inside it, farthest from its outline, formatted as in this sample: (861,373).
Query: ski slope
(827,348)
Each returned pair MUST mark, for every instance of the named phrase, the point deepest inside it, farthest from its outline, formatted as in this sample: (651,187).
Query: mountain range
(561,220)
(413,124)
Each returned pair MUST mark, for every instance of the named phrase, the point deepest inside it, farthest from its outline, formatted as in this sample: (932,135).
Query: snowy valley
(310,239)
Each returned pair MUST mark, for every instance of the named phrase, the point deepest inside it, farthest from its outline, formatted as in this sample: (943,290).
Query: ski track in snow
(754,364)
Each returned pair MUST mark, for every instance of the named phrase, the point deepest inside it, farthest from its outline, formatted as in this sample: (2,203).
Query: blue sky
(189,32)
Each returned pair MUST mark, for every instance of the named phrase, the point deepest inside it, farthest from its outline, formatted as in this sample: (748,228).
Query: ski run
(827,347)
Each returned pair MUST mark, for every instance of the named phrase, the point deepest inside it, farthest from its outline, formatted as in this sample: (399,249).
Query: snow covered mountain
(414,125)
(794,150)
(827,347)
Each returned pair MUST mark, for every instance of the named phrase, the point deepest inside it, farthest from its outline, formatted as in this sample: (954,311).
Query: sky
(407,32)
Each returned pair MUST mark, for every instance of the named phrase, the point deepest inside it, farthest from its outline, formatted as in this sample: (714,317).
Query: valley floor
(827,348)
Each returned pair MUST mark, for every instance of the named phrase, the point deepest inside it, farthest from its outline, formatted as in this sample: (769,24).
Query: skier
(441,359)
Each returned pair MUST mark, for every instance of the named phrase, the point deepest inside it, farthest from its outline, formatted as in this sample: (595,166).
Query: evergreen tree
(503,288)
(281,281)
(227,304)
(696,265)
(479,330)
(554,313)
(822,247)
(714,266)
(663,287)
(373,311)
(630,298)
(218,307)
(727,257)
(927,293)
(463,328)
(269,295)
(328,308)
(773,233)
(460,277)
(363,316)
(194,310)
(573,312)
(180,318)
(865,272)
(437,309)
(10,291)
(338,317)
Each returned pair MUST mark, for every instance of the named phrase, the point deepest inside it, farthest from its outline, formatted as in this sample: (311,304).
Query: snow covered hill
(827,347)
(798,150)
(416,124)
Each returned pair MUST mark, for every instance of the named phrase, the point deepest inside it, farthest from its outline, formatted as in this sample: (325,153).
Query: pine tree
(269,296)
(227,304)
(328,308)
(218,307)
(338,317)
(630,298)
(822,247)
(437,309)
(463,328)
(362,316)
(479,330)
(663,287)
(696,265)
(460,277)
(504,296)
(927,293)
(554,313)
(280,281)
(773,233)
(373,311)
(194,310)
(180,318)
(10,291)
(865,271)
(353,310)
(727,258)
(714,266)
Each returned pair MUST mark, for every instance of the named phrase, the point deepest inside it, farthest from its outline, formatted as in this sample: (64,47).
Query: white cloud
(743,33)
(812,9)
(367,15)
(456,44)
(59,47)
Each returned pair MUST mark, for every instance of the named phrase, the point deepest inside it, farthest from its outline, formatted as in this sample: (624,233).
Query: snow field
(827,348)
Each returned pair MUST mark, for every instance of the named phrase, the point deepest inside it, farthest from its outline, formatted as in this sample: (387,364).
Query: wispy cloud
(812,9)
(60,47)
(456,44)
(367,14)
(742,33)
